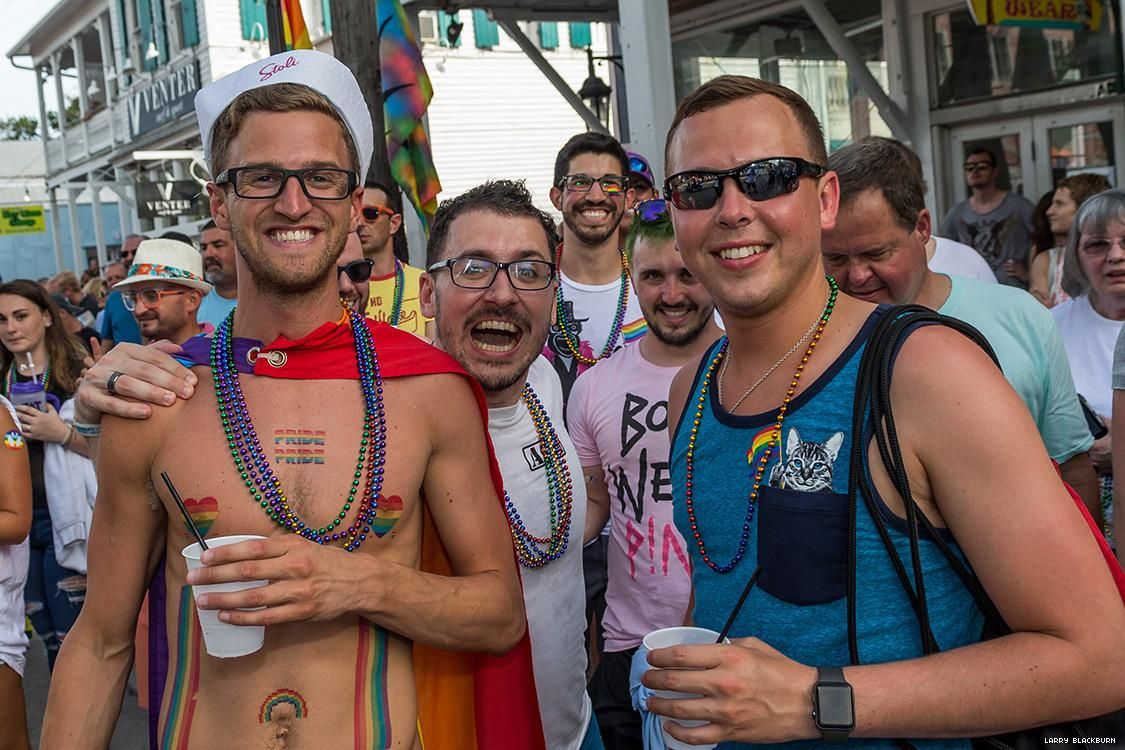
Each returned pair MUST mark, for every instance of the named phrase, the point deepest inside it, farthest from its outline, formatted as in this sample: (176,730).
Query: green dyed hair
(654,231)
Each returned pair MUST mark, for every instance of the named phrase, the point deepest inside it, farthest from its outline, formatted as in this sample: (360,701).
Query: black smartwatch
(833,706)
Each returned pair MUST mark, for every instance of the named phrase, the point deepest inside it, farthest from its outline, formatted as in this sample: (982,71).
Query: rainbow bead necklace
(9,378)
(400,285)
(560,491)
(564,321)
(253,465)
(775,437)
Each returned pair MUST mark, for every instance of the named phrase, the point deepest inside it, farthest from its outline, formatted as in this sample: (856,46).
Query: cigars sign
(1048,14)
(164,100)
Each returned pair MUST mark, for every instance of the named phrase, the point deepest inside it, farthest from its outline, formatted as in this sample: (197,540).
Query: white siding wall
(494,115)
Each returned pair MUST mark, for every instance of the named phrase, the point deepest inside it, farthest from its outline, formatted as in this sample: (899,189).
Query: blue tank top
(799,535)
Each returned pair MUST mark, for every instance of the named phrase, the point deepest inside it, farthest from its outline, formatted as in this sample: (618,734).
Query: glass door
(1072,142)
(1010,141)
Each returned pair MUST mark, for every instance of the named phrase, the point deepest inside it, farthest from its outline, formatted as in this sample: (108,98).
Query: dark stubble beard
(275,280)
(588,235)
(683,336)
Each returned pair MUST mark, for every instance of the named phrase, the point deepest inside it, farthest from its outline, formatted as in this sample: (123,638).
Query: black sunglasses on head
(358,271)
(758,180)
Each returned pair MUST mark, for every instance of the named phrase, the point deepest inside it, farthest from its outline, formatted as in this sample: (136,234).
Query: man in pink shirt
(618,419)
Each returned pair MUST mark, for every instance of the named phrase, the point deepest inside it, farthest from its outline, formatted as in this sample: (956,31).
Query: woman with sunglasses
(1091,320)
(40,366)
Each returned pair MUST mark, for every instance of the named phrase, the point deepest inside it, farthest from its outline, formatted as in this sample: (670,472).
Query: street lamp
(595,91)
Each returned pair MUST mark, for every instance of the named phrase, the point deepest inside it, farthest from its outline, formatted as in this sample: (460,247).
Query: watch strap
(831,676)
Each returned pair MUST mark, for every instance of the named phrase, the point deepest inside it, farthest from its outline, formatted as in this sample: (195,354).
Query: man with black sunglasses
(994,221)
(595,311)
(353,274)
(393,296)
(762,437)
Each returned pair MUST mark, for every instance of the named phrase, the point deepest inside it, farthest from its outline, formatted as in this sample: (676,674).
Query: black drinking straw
(738,607)
(191,523)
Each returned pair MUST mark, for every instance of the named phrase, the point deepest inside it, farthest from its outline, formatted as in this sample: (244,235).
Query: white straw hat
(170,261)
(320,72)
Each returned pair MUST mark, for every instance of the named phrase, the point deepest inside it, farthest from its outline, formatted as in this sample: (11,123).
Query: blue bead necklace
(253,465)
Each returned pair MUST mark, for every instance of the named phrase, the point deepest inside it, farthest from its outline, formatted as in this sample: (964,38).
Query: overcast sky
(18,85)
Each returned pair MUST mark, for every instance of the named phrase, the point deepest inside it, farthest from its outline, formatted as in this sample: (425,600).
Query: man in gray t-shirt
(995,222)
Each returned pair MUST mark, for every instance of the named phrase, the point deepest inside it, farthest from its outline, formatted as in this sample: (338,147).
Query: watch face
(834,708)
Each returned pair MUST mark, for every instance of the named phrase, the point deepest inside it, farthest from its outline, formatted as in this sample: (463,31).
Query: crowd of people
(570,437)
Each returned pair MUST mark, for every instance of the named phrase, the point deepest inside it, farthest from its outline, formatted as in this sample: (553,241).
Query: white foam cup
(681,636)
(223,639)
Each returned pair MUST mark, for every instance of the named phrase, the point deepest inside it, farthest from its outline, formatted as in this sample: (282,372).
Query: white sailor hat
(320,72)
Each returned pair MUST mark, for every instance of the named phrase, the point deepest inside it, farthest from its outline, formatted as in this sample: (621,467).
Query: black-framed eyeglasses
(480,273)
(611,184)
(151,297)
(358,271)
(651,211)
(318,183)
(759,180)
(977,166)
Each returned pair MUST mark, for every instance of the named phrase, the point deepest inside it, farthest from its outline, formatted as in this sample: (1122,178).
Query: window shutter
(253,14)
(548,35)
(124,28)
(444,20)
(485,31)
(189,23)
(159,30)
(326,14)
(144,21)
(580,34)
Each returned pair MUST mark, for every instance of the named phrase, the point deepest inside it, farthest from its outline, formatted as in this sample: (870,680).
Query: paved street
(132,727)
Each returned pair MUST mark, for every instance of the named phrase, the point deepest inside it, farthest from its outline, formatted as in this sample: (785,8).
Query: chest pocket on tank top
(803,525)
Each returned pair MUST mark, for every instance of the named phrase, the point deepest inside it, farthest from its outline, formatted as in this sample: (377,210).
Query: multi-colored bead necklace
(10,378)
(560,491)
(253,465)
(564,322)
(775,438)
(400,285)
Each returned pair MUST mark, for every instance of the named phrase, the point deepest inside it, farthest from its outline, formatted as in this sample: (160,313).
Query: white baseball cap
(320,72)
(165,260)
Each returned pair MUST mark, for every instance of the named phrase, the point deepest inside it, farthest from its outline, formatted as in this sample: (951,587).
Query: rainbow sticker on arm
(14,440)
(283,697)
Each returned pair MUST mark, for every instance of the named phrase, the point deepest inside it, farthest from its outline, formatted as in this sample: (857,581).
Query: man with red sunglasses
(394,285)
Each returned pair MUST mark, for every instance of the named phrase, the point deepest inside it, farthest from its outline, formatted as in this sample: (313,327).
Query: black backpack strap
(873,397)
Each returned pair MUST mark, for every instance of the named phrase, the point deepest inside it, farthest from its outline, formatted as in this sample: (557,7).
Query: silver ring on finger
(111,382)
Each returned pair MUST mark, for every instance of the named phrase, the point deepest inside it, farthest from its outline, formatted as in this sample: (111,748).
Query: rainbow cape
(466,701)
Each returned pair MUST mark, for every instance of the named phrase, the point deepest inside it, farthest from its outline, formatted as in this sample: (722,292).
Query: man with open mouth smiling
(596,311)
(490,285)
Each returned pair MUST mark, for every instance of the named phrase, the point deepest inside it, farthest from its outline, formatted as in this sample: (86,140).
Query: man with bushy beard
(618,418)
(595,311)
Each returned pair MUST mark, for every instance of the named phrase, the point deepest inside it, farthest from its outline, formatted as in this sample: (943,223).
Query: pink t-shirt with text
(618,418)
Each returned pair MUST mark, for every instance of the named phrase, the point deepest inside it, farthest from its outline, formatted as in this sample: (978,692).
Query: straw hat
(170,261)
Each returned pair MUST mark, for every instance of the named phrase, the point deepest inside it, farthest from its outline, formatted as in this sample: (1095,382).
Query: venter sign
(164,100)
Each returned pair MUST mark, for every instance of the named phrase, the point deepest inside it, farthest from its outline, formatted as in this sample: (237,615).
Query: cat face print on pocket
(807,465)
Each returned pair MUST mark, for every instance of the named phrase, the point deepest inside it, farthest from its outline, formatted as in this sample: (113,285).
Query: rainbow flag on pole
(406,95)
(296,32)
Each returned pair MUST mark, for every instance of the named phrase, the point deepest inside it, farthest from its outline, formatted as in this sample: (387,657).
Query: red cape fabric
(460,695)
